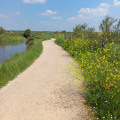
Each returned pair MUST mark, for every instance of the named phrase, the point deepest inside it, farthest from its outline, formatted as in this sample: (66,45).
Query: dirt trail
(42,92)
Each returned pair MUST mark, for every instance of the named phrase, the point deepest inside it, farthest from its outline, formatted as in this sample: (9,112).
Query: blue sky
(55,15)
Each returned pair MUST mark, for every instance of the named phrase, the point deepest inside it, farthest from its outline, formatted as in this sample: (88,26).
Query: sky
(55,15)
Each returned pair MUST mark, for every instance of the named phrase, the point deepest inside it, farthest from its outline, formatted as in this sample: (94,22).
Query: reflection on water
(7,50)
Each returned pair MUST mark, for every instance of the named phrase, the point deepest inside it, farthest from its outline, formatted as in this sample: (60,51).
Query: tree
(79,30)
(2,30)
(90,32)
(106,27)
(27,33)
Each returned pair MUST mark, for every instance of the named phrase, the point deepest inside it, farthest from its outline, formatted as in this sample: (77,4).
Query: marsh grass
(12,37)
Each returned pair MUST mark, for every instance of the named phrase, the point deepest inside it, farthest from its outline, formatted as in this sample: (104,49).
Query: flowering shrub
(101,70)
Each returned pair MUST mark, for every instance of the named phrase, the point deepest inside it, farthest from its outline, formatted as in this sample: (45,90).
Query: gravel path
(43,91)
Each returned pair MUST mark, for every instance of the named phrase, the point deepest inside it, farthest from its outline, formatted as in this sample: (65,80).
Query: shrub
(100,65)
(2,30)
(27,33)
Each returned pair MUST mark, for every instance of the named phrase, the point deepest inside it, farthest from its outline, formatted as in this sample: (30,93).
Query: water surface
(6,50)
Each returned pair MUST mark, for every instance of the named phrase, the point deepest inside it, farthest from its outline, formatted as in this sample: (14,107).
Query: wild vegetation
(27,33)
(19,62)
(98,55)
(12,37)
(2,30)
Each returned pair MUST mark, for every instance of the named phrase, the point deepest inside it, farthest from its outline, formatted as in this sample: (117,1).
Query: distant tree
(64,31)
(79,30)
(90,32)
(107,28)
(2,30)
(116,32)
(27,33)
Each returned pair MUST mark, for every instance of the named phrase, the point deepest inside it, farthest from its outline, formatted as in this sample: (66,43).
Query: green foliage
(60,42)
(27,33)
(29,43)
(2,30)
(12,37)
(63,42)
(79,30)
(110,29)
(43,35)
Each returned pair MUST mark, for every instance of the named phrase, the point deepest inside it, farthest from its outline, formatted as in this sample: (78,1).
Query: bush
(2,30)
(100,65)
(27,33)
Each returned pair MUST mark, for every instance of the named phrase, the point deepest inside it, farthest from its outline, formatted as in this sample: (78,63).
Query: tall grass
(19,62)
(12,37)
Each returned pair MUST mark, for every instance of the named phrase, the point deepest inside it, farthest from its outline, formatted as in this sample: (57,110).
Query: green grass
(60,42)
(12,37)
(43,35)
(19,62)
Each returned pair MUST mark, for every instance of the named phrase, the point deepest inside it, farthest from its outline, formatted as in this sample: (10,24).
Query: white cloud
(57,18)
(48,13)
(101,10)
(34,1)
(3,16)
(104,5)
(72,18)
(87,13)
(116,3)
(18,13)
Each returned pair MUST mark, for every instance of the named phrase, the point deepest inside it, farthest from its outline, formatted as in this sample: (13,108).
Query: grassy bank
(19,62)
(12,37)
(101,69)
